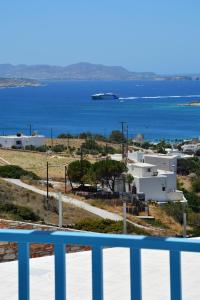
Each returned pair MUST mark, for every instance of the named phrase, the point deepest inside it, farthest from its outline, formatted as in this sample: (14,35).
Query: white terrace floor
(116,276)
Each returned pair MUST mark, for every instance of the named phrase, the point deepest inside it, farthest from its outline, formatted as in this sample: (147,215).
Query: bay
(149,107)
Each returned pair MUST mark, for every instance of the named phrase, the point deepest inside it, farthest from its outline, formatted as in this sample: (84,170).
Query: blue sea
(149,107)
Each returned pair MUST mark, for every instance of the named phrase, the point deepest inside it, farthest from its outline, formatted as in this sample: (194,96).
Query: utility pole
(122,131)
(68,141)
(65,179)
(126,143)
(124,206)
(30,129)
(124,217)
(51,138)
(106,150)
(60,210)
(47,180)
(184,225)
(81,160)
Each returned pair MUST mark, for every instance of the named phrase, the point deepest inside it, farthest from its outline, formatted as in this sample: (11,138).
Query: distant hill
(79,71)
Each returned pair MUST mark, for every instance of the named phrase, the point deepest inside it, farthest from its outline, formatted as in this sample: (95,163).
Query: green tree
(91,144)
(107,171)
(77,170)
(116,136)
(187,166)
(129,179)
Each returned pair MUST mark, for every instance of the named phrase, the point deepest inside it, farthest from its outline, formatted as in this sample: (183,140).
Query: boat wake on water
(159,97)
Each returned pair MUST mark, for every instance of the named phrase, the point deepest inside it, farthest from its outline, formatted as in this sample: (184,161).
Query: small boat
(104,96)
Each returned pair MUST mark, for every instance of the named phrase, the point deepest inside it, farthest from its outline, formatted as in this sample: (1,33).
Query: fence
(97,242)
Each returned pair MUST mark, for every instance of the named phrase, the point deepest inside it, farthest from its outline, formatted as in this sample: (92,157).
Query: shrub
(175,210)
(59,148)
(12,171)
(43,148)
(19,212)
(85,135)
(106,226)
(31,148)
(65,136)
(196,185)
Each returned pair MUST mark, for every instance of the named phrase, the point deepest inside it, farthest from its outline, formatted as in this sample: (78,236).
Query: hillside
(79,71)
(19,204)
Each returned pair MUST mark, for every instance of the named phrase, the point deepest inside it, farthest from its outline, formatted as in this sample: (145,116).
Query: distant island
(83,71)
(193,103)
(15,82)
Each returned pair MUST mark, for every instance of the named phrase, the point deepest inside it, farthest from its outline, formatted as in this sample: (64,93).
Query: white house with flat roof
(154,175)
(156,184)
(21,141)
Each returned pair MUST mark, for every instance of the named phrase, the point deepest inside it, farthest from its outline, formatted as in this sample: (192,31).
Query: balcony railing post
(135,272)
(60,272)
(23,272)
(175,275)
(97,273)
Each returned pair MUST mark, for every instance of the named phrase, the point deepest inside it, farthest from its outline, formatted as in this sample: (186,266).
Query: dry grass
(185,182)
(159,214)
(169,227)
(37,162)
(19,196)
(76,143)
(67,142)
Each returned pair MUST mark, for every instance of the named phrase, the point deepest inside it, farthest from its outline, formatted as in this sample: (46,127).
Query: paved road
(3,161)
(95,210)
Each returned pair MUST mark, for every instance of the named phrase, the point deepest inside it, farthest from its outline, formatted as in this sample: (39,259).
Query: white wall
(147,171)
(151,187)
(170,180)
(137,156)
(166,163)
(8,141)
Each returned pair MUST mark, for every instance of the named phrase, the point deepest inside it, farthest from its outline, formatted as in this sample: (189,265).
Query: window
(163,188)
(149,170)
(19,143)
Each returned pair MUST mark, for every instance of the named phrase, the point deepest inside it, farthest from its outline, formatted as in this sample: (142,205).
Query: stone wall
(9,251)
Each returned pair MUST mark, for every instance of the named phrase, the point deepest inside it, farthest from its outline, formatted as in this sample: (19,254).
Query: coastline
(18,83)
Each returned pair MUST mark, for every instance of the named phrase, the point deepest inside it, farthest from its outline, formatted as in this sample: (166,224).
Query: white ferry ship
(104,96)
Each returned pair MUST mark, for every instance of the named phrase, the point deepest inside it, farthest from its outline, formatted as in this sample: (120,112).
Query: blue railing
(97,243)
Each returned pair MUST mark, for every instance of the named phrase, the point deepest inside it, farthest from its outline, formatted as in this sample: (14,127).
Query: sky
(142,35)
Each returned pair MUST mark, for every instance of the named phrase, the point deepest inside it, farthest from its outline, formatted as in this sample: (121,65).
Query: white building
(136,156)
(156,184)
(178,153)
(21,141)
(154,175)
(190,148)
(162,161)
(116,156)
